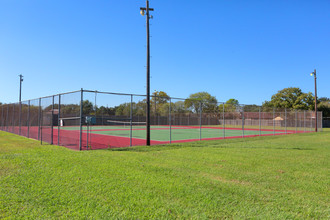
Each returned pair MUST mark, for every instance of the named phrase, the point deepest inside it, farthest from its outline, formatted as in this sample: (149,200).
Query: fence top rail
(153,96)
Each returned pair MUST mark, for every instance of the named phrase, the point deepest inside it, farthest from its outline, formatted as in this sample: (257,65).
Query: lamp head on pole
(142,12)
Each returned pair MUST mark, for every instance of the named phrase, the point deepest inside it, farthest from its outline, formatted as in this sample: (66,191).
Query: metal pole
(147,9)
(304,120)
(20,102)
(7,118)
(28,121)
(243,122)
(41,127)
(322,121)
(273,121)
(2,117)
(39,118)
(52,129)
(259,121)
(59,120)
(131,119)
(200,121)
(223,118)
(170,121)
(285,121)
(296,120)
(13,120)
(315,100)
(81,117)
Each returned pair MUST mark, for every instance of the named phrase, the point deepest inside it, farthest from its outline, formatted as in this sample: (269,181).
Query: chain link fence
(85,119)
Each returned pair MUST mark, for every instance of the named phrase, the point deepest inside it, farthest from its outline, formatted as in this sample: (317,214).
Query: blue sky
(246,50)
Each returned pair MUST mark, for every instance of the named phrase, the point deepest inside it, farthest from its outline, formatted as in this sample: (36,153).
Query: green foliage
(291,97)
(280,177)
(231,105)
(324,106)
(208,102)
(159,97)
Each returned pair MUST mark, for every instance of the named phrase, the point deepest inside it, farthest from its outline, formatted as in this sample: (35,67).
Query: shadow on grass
(224,143)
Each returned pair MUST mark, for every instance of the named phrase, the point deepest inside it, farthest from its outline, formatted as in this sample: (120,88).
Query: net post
(59,120)
(223,119)
(131,119)
(28,120)
(52,130)
(200,121)
(285,120)
(273,121)
(39,118)
(259,120)
(170,121)
(81,116)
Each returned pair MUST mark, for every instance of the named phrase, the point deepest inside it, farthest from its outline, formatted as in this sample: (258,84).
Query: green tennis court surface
(162,133)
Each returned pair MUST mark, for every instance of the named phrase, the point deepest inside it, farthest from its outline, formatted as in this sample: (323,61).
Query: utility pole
(314,74)
(145,11)
(20,87)
(20,103)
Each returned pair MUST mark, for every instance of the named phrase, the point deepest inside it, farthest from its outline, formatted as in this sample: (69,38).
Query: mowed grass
(276,177)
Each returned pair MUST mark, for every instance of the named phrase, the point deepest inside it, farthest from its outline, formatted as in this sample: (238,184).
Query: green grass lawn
(275,177)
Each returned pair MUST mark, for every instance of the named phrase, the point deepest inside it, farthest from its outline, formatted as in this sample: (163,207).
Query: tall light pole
(20,102)
(20,87)
(145,11)
(314,74)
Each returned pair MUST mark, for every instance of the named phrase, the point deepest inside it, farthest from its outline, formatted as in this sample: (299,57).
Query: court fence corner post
(39,119)
(285,120)
(243,121)
(274,121)
(131,124)
(59,120)
(81,118)
(259,120)
(200,121)
(28,120)
(170,120)
(51,123)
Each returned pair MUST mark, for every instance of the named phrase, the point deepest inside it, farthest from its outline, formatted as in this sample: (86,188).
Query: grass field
(275,177)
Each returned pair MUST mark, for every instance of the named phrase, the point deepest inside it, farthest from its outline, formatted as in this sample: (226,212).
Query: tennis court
(98,137)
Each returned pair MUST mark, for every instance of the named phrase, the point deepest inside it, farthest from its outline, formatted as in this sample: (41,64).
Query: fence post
(59,120)
(51,124)
(7,118)
(81,117)
(259,121)
(170,120)
(322,121)
(273,121)
(2,117)
(304,120)
(13,120)
(39,121)
(285,121)
(200,121)
(243,121)
(19,117)
(296,120)
(28,121)
(131,119)
(223,119)
(41,127)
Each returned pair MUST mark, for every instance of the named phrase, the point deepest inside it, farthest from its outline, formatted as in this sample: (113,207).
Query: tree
(324,106)
(208,102)
(159,97)
(291,97)
(231,105)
